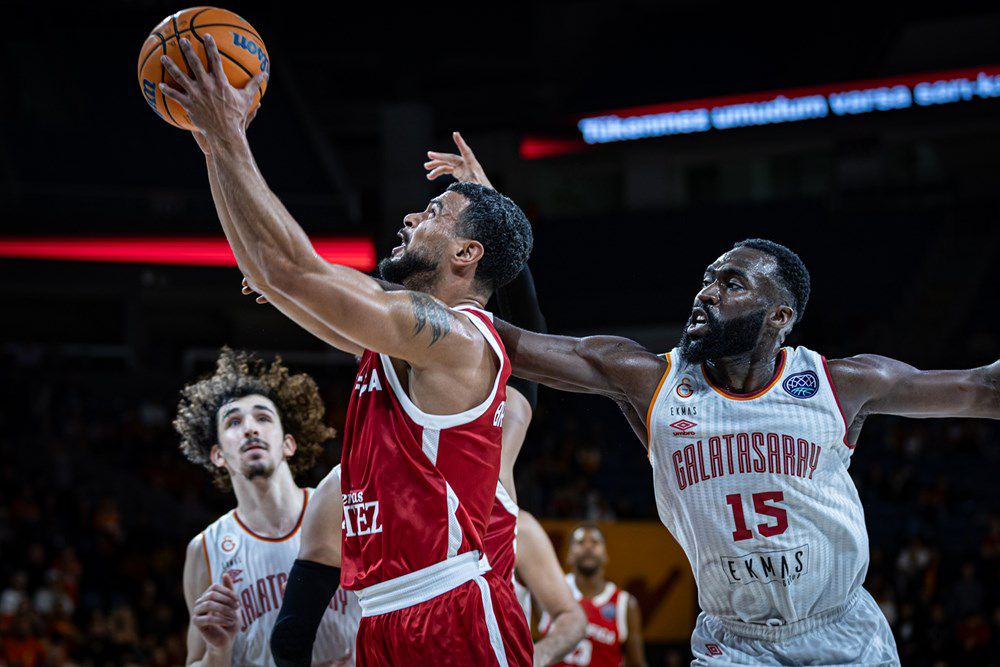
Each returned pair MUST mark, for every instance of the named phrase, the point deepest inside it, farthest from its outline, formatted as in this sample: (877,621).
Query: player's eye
(732,284)
(264,418)
(234,421)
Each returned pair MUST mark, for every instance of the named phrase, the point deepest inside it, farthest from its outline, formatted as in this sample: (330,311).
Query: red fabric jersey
(500,541)
(417,488)
(607,627)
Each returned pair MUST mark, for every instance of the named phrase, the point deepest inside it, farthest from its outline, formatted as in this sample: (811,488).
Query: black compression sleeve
(310,588)
(517,303)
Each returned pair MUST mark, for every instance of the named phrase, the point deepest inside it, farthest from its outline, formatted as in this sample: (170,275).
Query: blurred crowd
(97,503)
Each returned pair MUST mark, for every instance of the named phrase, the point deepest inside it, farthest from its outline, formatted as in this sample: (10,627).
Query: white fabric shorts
(856,634)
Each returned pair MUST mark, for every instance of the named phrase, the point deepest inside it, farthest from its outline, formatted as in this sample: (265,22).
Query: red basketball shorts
(476,623)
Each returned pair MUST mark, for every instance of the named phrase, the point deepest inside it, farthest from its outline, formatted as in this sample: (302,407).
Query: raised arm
(871,384)
(288,307)
(538,568)
(276,256)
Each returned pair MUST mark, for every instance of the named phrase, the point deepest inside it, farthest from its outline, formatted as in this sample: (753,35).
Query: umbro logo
(683,427)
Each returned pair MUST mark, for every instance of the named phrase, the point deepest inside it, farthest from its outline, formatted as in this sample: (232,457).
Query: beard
(410,269)
(588,567)
(724,339)
(255,469)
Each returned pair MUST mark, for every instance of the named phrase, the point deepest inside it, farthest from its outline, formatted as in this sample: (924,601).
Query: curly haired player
(253,425)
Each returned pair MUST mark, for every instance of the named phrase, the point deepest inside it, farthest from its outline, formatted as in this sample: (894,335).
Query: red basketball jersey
(500,542)
(607,627)
(417,488)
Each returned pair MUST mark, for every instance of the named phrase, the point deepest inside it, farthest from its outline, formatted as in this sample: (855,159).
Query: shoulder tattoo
(428,310)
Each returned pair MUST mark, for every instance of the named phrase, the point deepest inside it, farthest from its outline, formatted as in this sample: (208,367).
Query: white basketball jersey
(755,489)
(259,569)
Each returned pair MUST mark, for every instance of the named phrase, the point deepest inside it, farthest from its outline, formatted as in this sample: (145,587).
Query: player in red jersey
(613,618)
(422,439)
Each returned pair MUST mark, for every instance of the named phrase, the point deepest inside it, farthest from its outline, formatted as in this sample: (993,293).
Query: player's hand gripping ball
(240,47)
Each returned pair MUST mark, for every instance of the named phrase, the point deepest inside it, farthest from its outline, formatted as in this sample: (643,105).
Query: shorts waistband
(418,586)
(783,631)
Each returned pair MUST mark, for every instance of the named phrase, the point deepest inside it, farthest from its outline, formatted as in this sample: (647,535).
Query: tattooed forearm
(427,310)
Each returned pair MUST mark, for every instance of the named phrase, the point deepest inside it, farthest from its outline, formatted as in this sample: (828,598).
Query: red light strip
(357,253)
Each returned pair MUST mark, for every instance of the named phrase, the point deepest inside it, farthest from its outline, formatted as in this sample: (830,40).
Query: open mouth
(699,322)
(402,245)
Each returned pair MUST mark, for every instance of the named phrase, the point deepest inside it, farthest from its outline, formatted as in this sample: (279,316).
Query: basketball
(240,47)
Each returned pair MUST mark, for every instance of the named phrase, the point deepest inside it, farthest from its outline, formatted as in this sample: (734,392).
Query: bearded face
(409,267)
(712,338)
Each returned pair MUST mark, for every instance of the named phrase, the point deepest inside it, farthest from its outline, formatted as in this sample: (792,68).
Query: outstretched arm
(288,307)
(871,384)
(275,254)
(539,569)
(616,367)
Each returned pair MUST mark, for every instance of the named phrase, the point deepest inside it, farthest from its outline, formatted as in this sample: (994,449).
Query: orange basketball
(240,47)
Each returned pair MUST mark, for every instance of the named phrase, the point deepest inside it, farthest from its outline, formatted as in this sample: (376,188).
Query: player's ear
(782,317)
(469,252)
(217,457)
(288,445)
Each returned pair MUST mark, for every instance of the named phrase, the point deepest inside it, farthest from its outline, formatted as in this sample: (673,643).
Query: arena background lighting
(772,107)
(357,253)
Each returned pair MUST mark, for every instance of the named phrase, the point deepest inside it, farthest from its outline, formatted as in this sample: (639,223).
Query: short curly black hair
(238,374)
(793,276)
(501,226)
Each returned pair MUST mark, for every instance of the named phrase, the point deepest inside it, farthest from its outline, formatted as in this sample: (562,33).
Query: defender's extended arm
(871,384)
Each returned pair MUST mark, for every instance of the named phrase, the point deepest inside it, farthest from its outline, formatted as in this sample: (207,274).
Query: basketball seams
(232,25)
(149,55)
(177,31)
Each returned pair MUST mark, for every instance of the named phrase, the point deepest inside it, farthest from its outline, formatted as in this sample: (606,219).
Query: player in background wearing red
(422,440)
(614,623)
(253,425)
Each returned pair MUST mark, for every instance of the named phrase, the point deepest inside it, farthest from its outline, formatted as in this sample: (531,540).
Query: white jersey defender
(259,569)
(755,489)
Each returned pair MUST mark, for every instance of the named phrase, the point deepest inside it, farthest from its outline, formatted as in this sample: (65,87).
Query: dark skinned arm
(611,366)
(870,384)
